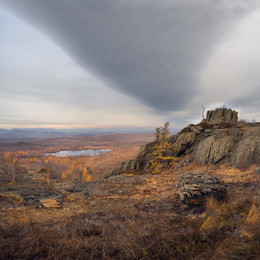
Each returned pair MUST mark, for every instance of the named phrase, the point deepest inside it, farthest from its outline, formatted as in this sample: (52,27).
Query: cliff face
(207,143)
(233,145)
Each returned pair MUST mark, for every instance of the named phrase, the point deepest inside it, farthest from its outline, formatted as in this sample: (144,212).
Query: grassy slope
(137,217)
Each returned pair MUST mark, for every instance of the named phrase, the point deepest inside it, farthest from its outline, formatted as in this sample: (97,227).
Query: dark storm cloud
(153,50)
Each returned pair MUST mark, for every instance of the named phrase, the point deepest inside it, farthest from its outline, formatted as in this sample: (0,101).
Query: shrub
(10,166)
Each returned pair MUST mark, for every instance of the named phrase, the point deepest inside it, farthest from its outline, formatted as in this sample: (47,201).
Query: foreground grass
(228,230)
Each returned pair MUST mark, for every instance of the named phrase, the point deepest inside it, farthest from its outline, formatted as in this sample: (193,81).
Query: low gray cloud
(155,51)
(152,50)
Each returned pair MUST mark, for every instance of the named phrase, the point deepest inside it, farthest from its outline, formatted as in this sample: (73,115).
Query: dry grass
(227,230)
(138,217)
(13,198)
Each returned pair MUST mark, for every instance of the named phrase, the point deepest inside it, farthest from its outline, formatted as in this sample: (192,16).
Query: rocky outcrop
(195,188)
(124,167)
(221,115)
(232,145)
(145,150)
(206,143)
(183,142)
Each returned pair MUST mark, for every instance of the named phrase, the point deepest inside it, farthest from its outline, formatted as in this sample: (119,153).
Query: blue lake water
(78,153)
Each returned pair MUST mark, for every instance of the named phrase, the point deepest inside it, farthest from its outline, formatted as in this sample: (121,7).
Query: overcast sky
(127,62)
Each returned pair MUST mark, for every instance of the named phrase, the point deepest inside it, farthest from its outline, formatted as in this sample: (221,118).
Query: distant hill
(31,133)
(14,146)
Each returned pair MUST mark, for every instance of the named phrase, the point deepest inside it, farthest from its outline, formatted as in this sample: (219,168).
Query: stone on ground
(195,188)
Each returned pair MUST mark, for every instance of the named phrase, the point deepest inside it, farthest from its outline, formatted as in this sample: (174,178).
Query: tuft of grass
(13,198)
(253,217)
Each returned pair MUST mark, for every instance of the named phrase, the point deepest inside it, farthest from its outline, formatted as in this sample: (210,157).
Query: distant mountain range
(29,133)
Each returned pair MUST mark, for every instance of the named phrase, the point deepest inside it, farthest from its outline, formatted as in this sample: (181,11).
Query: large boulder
(221,115)
(195,188)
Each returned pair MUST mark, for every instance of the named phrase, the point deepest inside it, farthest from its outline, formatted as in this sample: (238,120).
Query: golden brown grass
(225,230)
(137,220)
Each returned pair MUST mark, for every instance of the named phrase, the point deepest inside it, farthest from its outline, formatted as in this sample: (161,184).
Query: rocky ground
(32,192)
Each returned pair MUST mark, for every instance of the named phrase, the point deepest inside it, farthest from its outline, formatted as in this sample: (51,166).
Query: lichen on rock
(195,188)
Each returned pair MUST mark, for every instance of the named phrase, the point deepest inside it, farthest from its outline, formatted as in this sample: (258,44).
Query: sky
(86,63)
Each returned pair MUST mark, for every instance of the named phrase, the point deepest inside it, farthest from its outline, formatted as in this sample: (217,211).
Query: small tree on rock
(161,157)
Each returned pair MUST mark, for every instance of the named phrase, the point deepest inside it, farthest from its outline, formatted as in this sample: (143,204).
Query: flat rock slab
(51,203)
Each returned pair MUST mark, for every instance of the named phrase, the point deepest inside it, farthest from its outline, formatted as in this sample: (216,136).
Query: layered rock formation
(221,115)
(233,145)
(207,143)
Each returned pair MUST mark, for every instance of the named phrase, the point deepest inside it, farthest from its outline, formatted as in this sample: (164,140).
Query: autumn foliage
(10,165)
(64,168)
(161,156)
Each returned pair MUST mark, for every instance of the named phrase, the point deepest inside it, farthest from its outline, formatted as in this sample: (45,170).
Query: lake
(78,153)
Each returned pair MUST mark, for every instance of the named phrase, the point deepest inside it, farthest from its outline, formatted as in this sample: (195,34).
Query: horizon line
(65,127)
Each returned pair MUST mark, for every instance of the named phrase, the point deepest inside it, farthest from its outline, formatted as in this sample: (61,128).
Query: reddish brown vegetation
(224,231)
(130,216)
(123,146)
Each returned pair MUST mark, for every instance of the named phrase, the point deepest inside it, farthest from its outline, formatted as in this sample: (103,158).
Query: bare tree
(9,165)
(157,134)
(203,113)
(165,132)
